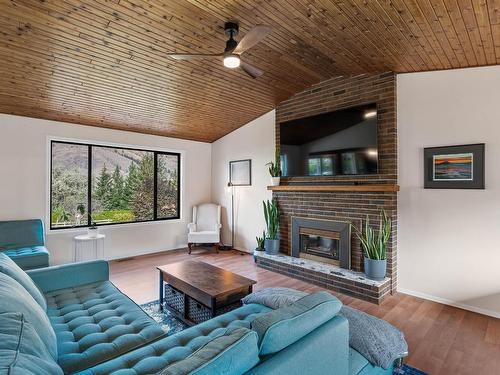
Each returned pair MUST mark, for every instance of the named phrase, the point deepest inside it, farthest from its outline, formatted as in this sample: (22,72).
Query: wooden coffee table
(200,291)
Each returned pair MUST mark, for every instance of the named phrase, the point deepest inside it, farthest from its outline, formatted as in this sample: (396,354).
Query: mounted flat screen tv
(336,143)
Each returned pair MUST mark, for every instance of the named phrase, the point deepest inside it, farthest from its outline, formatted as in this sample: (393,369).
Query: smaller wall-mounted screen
(342,142)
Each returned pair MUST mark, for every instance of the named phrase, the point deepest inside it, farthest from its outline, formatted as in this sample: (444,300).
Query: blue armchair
(24,242)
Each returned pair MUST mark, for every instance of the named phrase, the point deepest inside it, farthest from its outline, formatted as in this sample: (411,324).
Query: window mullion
(89,187)
(155,187)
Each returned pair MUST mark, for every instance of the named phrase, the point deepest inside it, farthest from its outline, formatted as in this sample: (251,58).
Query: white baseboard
(133,255)
(444,301)
(243,250)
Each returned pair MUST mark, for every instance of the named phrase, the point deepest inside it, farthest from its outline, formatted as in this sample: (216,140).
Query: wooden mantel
(384,188)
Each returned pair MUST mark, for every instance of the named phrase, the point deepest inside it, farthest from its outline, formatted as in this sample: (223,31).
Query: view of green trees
(118,198)
(117,195)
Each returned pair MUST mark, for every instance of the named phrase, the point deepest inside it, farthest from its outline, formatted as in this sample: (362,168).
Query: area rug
(170,324)
(408,370)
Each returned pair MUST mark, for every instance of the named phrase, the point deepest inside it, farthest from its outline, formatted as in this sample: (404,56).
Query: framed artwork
(454,167)
(240,172)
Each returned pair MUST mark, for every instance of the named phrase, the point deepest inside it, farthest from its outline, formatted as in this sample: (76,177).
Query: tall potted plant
(374,246)
(271,214)
(275,170)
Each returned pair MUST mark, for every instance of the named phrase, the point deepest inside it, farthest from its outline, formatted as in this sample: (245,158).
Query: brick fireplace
(350,203)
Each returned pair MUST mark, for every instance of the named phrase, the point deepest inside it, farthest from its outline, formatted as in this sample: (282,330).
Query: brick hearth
(326,275)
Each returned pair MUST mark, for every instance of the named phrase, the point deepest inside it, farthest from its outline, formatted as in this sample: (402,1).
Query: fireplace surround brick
(330,95)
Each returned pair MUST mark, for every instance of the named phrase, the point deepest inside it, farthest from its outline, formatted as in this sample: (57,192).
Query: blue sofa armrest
(70,275)
(323,351)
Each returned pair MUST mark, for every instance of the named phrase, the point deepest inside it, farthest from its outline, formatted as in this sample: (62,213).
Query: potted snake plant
(275,170)
(271,215)
(374,246)
(260,241)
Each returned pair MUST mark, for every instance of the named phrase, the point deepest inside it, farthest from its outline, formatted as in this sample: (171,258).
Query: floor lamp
(230,190)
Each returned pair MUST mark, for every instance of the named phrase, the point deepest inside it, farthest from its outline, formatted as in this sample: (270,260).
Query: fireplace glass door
(319,243)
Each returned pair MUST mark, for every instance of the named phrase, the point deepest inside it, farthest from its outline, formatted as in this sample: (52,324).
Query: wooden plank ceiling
(103,63)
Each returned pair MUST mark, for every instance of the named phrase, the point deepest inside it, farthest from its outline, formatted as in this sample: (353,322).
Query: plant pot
(272,246)
(92,232)
(375,269)
(259,249)
(275,181)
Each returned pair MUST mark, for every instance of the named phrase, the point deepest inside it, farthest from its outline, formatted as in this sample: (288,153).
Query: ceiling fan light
(370,114)
(231,61)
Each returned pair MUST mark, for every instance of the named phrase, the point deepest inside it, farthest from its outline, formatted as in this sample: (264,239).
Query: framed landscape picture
(240,172)
(454,167)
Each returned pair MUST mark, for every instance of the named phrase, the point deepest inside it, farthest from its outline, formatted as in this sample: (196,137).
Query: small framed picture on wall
(454,167)
(240,172)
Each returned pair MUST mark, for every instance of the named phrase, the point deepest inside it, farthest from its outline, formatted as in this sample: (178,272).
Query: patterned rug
(170,324)
(407,370)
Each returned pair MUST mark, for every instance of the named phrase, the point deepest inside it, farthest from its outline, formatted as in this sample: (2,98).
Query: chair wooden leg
(216,246)
(190,246)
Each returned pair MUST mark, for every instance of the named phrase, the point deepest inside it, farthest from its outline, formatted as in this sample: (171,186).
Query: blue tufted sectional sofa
(72,319)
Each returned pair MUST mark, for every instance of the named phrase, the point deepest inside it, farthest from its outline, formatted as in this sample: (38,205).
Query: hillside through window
(111,185)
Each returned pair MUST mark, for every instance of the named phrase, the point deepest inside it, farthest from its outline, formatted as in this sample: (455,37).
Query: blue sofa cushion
(70,275)
(154,357)
(95,323)
(234,352)
(286,325)
(14,298)
(29,257)
(324,351)
(15,234)
(22,352)
(9,268)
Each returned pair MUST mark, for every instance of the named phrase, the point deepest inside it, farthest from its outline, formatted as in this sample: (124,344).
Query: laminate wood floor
(442,340)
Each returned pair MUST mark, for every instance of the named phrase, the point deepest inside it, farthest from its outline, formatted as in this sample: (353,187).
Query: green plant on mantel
(374,244)
(272,217)
(275,167)
(260,240)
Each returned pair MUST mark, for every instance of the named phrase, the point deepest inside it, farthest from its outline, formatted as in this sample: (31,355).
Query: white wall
(448,240)
(23,190)
(253,141)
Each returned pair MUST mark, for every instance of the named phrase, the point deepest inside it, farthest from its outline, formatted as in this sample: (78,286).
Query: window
(69,185)
(111,185)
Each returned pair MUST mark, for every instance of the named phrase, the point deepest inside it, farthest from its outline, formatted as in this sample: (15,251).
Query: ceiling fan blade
(251,70)
(253,37)
(193,56)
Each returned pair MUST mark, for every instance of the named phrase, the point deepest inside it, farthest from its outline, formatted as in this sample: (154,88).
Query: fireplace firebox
(322,240)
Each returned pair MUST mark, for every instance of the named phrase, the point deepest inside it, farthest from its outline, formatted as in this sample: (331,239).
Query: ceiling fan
(231,55)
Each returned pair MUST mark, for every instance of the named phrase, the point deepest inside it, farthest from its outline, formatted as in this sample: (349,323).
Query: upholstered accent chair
(205,227)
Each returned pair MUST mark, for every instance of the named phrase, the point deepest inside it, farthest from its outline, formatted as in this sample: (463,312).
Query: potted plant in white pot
(271,214)
(93,229)
(374,246)
(275,170)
